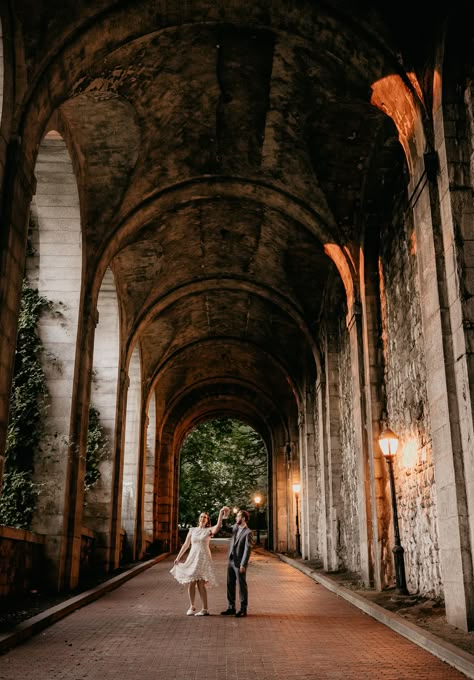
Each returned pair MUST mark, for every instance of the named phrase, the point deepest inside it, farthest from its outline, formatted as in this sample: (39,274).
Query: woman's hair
(208,518)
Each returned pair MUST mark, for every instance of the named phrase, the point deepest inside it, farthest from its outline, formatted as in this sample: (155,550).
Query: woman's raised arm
(223,514)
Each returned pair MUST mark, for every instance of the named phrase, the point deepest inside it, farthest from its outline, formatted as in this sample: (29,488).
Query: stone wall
(21,561)
(407,408)
(317,509)
(348,534)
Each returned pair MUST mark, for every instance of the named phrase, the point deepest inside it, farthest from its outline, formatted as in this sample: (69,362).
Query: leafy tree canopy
(223,462)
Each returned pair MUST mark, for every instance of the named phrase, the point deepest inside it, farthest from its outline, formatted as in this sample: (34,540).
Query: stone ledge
(452,655)
(21,535)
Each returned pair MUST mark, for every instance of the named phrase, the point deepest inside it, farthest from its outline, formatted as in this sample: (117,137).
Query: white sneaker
(191,611)
(203,612)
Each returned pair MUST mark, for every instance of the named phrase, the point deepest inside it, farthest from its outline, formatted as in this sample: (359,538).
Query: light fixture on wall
(296,491)
(388,442)
(257,500)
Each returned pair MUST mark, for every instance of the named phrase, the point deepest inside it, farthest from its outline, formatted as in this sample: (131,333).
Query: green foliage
(28,395)
(18,499)
(27,408)
(97,449)
(223,462)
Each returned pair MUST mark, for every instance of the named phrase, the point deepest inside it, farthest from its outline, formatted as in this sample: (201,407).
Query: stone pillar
(332,448)
(281,506)
(140,544)
(165,499)
(18,188)
(440,307)
(150,468)
(309,480)
(132,455)
(117,475)
(373,405)
(354,325)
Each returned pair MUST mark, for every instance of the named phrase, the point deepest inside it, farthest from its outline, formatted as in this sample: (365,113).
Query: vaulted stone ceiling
(219,147)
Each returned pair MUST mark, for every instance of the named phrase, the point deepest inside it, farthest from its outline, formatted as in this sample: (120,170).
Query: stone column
(331,445)
(18,188)
(150,468)
(140,544)
(281,506)
(117,475)
(165,500)
(437,274)
(373,404)
(309,480)
(354,325)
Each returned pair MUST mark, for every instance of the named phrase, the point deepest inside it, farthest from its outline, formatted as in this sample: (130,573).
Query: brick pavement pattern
(296,629)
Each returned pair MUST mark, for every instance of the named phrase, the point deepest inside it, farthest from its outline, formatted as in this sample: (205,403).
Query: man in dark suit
(239,554)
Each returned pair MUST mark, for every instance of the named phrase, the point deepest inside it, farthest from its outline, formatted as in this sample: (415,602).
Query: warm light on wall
(409,453)
(296,488)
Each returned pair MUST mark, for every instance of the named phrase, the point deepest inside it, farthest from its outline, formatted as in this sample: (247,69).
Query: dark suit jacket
(241,547)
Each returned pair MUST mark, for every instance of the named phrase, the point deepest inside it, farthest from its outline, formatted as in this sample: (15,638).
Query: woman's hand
(177,560)
(225,511)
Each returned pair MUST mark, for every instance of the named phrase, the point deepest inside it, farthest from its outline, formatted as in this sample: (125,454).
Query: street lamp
(257,500)
(388,442)
(296,490)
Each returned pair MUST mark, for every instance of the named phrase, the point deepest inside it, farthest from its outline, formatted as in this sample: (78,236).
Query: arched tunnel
(251,210)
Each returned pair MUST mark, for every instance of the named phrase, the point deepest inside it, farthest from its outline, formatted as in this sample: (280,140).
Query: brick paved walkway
(296,629)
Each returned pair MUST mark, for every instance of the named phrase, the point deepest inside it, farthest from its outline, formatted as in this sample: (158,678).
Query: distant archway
(223,461)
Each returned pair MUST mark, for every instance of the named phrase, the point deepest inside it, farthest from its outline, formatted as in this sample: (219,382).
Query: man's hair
(245,514)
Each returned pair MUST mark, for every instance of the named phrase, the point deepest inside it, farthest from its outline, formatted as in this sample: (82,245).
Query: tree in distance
(223,462)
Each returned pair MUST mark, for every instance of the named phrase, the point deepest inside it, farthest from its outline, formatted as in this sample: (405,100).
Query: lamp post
(257,500)
(388,442)
(296,490)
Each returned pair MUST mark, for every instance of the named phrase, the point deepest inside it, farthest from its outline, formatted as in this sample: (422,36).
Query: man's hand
(242,570)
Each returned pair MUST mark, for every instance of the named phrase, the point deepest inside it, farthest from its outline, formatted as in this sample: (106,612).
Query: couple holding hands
(198,571)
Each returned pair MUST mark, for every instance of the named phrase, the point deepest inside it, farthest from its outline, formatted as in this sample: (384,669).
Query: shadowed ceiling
(219,147)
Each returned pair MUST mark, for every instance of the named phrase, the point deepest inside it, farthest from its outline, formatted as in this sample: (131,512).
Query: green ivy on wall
(27,408)
(97,449)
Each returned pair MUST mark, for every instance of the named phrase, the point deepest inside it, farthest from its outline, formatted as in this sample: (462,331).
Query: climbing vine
(97,449)
(27,408)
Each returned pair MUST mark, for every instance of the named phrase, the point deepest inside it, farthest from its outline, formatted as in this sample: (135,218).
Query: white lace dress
(198,564)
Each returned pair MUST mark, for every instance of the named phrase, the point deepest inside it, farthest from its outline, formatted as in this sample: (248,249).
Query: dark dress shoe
(241,613)
(228,612)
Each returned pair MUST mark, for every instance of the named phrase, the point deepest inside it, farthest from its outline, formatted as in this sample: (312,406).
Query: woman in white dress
(198,569)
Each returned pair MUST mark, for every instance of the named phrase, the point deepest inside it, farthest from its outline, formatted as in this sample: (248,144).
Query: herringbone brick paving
(296,629)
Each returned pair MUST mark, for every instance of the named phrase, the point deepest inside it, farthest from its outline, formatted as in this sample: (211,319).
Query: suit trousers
(234,575)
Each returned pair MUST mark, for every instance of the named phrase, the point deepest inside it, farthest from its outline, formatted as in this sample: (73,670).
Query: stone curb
(454,656)
(30,627)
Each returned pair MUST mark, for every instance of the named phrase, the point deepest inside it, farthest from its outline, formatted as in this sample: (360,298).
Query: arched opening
(223,461)
(98,495)
(131,457)
(150,461)
(55,269)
